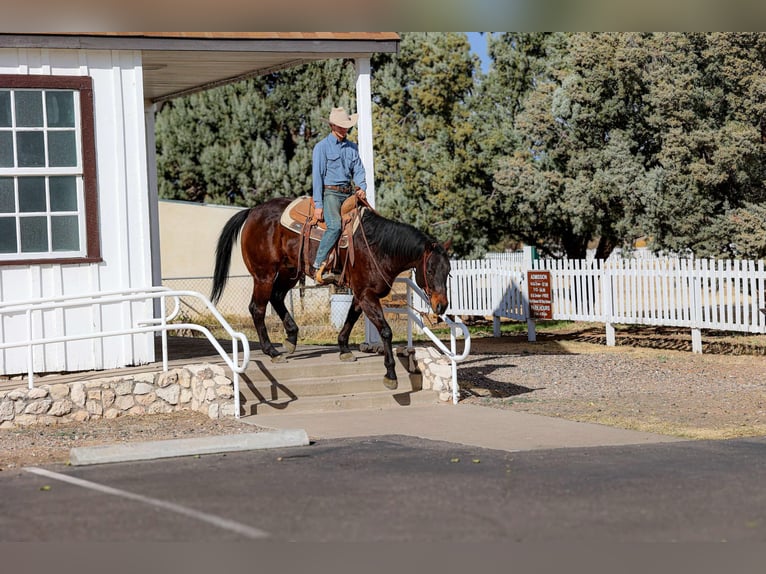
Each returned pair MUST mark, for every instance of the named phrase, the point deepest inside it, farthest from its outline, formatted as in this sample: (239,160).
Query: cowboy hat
(340,118)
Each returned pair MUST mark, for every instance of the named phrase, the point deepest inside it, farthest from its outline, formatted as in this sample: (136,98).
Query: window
(48,198)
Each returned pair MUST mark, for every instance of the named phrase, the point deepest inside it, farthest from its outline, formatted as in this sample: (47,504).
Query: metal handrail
(153,325)
(414,317)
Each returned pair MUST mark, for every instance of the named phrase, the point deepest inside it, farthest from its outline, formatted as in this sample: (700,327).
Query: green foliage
(250,141)
(625,135)
(570,138)
(429,166)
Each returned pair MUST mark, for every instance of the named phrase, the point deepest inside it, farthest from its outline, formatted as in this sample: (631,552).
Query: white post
(150,109)
(529,255)
(696,305)
(606,290)
(364,124)
(364,141)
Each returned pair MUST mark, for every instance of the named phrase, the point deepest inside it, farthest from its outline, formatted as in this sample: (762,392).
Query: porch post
(364,141)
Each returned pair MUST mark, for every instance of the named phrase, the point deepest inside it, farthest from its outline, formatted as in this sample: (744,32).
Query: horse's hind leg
(291,328)
(258,303)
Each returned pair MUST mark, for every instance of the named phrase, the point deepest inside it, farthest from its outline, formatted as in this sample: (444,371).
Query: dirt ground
(650,381)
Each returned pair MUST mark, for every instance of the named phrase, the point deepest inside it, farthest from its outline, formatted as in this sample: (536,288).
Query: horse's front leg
(353,316)
(374,312)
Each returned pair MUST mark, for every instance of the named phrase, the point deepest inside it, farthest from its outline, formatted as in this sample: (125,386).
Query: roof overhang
(179,63)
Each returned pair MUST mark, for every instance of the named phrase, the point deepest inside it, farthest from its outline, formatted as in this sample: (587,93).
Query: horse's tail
(226,241)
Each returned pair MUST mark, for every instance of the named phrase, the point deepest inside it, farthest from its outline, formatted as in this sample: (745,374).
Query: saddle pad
(295,215)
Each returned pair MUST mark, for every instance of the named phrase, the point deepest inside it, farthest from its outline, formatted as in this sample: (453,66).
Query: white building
(78,187)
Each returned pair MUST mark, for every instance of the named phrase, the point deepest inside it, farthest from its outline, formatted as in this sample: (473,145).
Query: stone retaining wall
(434,367)
(436,370)
(203,388)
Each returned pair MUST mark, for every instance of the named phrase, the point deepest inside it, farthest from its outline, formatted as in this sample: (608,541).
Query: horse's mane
(393,237)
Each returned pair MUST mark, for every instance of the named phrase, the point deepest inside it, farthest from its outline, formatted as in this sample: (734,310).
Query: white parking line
(243,529)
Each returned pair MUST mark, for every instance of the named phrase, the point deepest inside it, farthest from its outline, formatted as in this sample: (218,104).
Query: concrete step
(314,379)
(365,400)
(272,381)
(315,361)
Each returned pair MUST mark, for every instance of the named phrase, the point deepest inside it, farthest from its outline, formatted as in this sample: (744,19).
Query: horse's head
(432,274)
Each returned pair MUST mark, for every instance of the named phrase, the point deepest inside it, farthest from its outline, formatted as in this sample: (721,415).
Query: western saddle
(299,218)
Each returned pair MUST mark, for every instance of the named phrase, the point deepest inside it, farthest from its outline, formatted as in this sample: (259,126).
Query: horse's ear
(447,245)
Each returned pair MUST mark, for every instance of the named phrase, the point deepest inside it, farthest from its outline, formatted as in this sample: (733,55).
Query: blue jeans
(332,201)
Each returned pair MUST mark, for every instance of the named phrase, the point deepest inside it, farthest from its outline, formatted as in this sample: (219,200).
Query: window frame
(83,85)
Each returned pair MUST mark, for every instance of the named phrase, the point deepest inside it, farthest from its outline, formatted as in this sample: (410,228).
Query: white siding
(124,223)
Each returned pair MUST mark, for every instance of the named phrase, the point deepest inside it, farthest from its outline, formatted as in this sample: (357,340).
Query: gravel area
(666,391)
(656,384)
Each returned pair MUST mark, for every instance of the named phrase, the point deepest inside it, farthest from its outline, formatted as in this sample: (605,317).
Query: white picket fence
(725,295)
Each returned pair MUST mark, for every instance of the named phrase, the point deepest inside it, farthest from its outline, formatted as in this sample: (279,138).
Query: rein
(426,289)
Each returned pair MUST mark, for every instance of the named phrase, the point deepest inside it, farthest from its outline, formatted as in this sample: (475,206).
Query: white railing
(160,324)
(413,311)
(726,295)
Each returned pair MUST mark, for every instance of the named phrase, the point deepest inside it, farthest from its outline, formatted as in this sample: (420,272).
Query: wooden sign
(539,292)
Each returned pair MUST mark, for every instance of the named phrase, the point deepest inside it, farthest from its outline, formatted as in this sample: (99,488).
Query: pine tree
(250,141)
(428,162)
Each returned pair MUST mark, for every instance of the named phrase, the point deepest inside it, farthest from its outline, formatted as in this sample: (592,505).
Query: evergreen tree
(429,167)
(250,141)
(632,134)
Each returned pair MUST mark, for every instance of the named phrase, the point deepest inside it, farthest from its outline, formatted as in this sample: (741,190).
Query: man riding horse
(337,174)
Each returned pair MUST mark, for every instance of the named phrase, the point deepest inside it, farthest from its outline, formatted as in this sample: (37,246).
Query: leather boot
(321,278)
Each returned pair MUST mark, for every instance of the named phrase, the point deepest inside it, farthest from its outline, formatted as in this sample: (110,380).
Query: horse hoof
(278,358)
(289,347)
(390,384)
(347,357)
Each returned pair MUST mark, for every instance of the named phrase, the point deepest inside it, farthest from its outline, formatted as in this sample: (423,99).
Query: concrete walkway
(463,423)
(469,425)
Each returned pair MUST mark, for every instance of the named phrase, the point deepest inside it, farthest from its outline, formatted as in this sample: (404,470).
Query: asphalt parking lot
(400,488)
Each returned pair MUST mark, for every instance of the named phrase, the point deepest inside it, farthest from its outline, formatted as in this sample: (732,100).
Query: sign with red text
(539,293)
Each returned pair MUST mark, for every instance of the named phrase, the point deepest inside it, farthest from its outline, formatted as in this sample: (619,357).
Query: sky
(479,46)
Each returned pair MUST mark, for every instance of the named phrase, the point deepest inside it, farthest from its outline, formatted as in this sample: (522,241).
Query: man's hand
(319,214)
(361,194)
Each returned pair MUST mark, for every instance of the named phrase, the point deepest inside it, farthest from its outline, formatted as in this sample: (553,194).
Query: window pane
(6,149)
(7,200)
(34,234)
(32,194)
(60,109)
(61,149)
(29,109)
(8,235)
(63,193)
(5,109)
(31,149)
(65,233)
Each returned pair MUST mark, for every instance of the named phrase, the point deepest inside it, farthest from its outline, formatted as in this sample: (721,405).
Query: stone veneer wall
(203,388)
(436,370)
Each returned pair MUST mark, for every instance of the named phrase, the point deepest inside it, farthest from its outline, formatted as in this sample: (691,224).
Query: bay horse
(383,249)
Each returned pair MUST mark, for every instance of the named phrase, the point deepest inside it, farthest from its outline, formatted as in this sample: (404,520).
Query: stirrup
(321,279)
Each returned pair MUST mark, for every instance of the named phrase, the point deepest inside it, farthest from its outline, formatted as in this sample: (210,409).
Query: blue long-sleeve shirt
(335,163)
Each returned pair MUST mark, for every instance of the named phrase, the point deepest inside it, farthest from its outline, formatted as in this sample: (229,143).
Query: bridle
(427,287)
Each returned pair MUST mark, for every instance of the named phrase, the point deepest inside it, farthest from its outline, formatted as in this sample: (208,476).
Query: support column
(364,141)
(150,109)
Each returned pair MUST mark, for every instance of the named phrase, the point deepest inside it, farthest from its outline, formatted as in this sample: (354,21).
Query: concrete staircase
(315,379)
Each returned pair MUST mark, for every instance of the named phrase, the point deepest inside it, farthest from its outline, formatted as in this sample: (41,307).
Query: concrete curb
(86,455)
